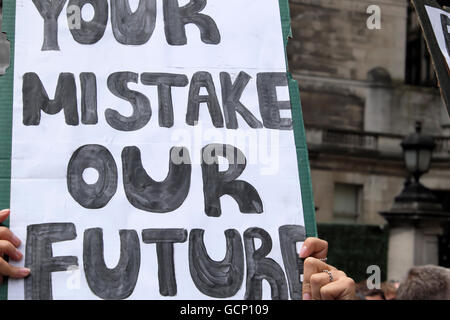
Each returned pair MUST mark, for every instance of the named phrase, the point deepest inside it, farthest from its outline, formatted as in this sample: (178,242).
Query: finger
(314,247)
(310,267)
(14,272)
(6,234)
(318,280)
(4,214)
(342,289)
(8,248)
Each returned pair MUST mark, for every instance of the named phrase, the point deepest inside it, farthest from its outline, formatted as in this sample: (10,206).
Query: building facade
(362,90)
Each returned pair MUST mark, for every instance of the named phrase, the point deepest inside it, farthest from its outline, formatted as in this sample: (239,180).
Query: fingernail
(303,251)
(306,296)
(18,255)
(16,240)
(24,271)
(5,211)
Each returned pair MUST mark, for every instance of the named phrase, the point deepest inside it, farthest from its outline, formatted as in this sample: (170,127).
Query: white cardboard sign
(440,20)
(104,109)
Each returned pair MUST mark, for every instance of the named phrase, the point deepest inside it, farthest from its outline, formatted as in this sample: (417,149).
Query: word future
(218,279)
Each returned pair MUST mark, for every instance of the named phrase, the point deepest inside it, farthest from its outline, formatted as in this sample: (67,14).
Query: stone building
(362,91)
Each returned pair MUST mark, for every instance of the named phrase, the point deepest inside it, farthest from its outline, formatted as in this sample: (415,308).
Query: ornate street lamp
(416,217)
(416,200)
(417,152)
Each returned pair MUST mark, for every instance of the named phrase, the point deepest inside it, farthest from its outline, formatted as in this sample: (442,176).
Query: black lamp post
(416,217)
(417,152)
(416,201)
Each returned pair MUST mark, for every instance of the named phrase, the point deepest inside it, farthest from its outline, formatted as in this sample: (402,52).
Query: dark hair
(375,292)
(362,291)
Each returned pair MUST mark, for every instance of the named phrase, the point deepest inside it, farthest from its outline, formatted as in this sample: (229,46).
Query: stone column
(415,222)
(412,244)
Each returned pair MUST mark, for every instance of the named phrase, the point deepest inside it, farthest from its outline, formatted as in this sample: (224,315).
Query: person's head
(364,293)
(375,294)
(425,283)
(390,290)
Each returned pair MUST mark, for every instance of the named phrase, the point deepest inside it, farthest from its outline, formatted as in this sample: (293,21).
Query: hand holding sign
(320,280)
(8,247)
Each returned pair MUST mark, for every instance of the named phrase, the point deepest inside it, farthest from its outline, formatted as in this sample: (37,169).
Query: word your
(217,279)
(35,99)
(129,28)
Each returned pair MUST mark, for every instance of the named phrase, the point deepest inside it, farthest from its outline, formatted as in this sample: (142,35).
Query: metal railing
(366,141)
(351,139)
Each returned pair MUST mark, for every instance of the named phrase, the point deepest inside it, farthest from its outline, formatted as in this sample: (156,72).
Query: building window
(347,202)
(419,69)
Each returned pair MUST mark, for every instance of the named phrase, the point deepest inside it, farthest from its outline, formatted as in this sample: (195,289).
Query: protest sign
(157,150)
(435,23)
